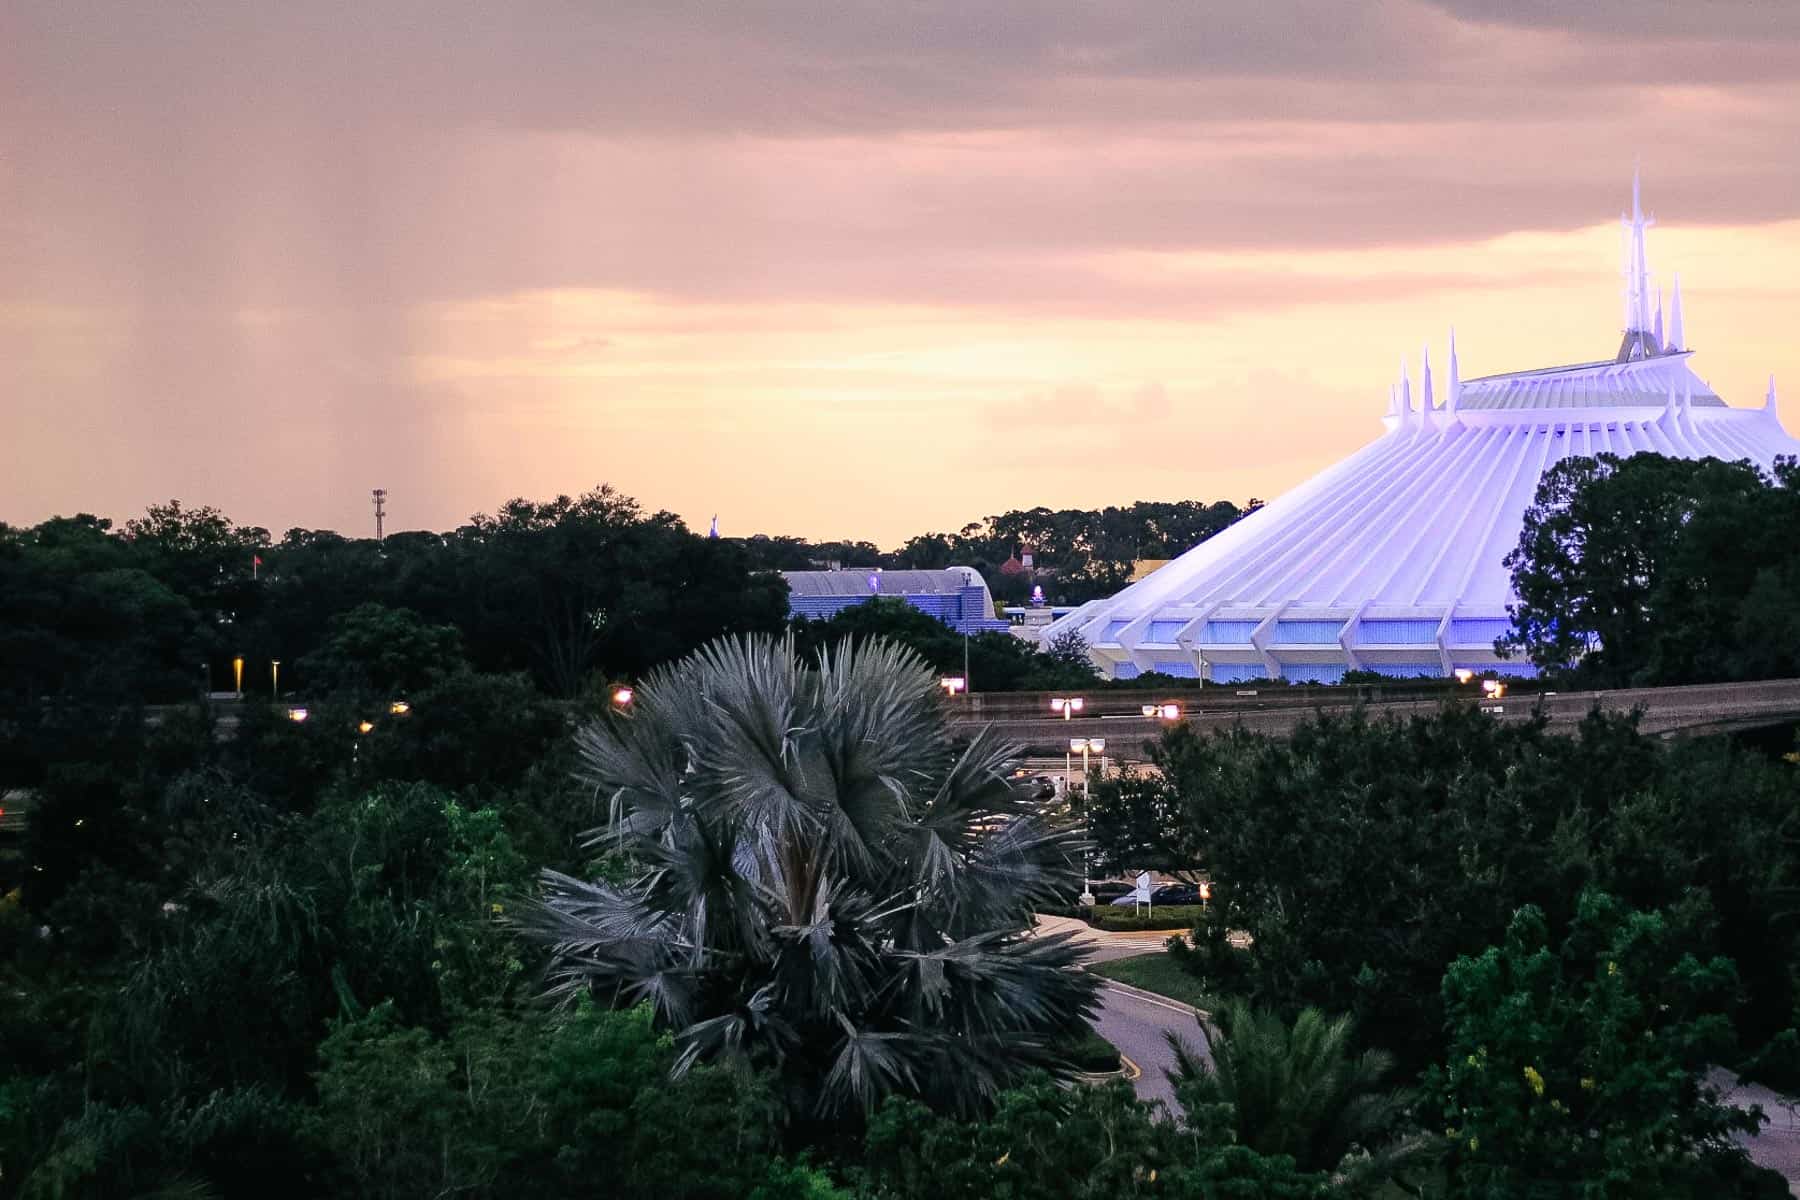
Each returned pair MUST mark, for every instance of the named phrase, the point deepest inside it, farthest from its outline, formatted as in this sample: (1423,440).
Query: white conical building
(1390,561)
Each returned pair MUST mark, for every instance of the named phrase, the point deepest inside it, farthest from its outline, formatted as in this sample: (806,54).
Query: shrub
(1124,920)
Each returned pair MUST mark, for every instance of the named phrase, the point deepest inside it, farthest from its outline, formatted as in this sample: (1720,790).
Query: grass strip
(1157,973)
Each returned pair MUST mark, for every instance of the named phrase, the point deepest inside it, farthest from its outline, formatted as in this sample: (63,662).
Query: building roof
(856,582)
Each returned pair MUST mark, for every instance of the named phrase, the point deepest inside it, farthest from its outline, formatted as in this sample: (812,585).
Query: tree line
(1077,554)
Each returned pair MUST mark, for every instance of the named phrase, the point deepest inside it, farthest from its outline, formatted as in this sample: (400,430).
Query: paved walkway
(1777,1145)
(1135,1021)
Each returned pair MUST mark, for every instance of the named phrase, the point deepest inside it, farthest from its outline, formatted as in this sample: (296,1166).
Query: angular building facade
(1391,560)
(957,596)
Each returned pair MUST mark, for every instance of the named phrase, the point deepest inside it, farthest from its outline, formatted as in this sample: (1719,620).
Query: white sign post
(1142,894)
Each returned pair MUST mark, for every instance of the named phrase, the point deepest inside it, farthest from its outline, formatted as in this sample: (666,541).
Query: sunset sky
(847,268)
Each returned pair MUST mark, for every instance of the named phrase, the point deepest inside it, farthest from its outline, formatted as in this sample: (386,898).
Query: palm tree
(1299,1090)
(829,888)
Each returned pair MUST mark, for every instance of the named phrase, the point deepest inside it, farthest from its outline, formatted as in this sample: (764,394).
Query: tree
(1658,570)
(1300,1090)
(832,890)
(1044,1142)
(1579,1070)
(379,651)
(570,586)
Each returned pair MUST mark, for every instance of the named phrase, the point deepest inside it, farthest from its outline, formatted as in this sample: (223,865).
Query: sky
(846,268)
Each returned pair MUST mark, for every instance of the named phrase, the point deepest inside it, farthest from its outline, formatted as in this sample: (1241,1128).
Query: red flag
(256,560)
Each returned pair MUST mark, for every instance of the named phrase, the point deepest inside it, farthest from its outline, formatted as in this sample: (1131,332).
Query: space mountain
(1391,560)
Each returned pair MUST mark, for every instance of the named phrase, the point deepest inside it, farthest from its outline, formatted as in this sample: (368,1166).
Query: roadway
(1692,710)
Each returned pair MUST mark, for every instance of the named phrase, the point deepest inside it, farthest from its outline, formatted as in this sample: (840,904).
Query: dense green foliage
(1577,1070)
(1653,570)
(1301,1090)
(1044,1143)
(1364,857)
(831,891)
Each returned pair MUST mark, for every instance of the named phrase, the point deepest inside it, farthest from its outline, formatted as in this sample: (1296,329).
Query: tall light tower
(380,495)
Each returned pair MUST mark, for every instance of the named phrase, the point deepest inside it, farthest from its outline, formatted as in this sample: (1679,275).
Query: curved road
(1135,1021)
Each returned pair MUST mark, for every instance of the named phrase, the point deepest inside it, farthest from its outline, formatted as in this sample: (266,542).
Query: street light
(237,675)
(1097,745)
(1463,674)
(622,696)
(953,684)
(275,678)
(1165,712)
(1068,706)
(364,726)
(1494,688)
(399,708)
(297,715)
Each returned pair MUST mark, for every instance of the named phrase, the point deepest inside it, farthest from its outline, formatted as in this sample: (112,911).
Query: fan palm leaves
(1301,1090)
(829,887)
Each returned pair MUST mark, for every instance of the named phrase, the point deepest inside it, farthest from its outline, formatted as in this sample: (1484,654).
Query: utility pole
(380,510)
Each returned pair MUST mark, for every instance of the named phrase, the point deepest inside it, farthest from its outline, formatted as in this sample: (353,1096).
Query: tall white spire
(1677,334)
(1426,405)
(1637,271)
(1769,403)
(1453,393)
(1658,327)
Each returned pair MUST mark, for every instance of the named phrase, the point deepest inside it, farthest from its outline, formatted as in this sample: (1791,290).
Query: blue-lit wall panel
(1163,632)
(1226,632)
(1125,671)
(1238,673)
(1112,630)
(1478,633)
(1395,633)
(1310,633)
(1180,668)
(1312,672)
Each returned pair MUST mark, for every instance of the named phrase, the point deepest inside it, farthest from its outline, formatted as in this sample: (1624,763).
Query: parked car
(1168,893)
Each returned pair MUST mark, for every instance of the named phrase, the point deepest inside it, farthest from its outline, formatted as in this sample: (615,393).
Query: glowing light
(364,726)
(399,708)
(297,714)
(1463,674)
(953,684)
(1068,707)
(622,696)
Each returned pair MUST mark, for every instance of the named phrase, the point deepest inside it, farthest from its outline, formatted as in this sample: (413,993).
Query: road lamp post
(1098,746)
(1068,706)
(275,678)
